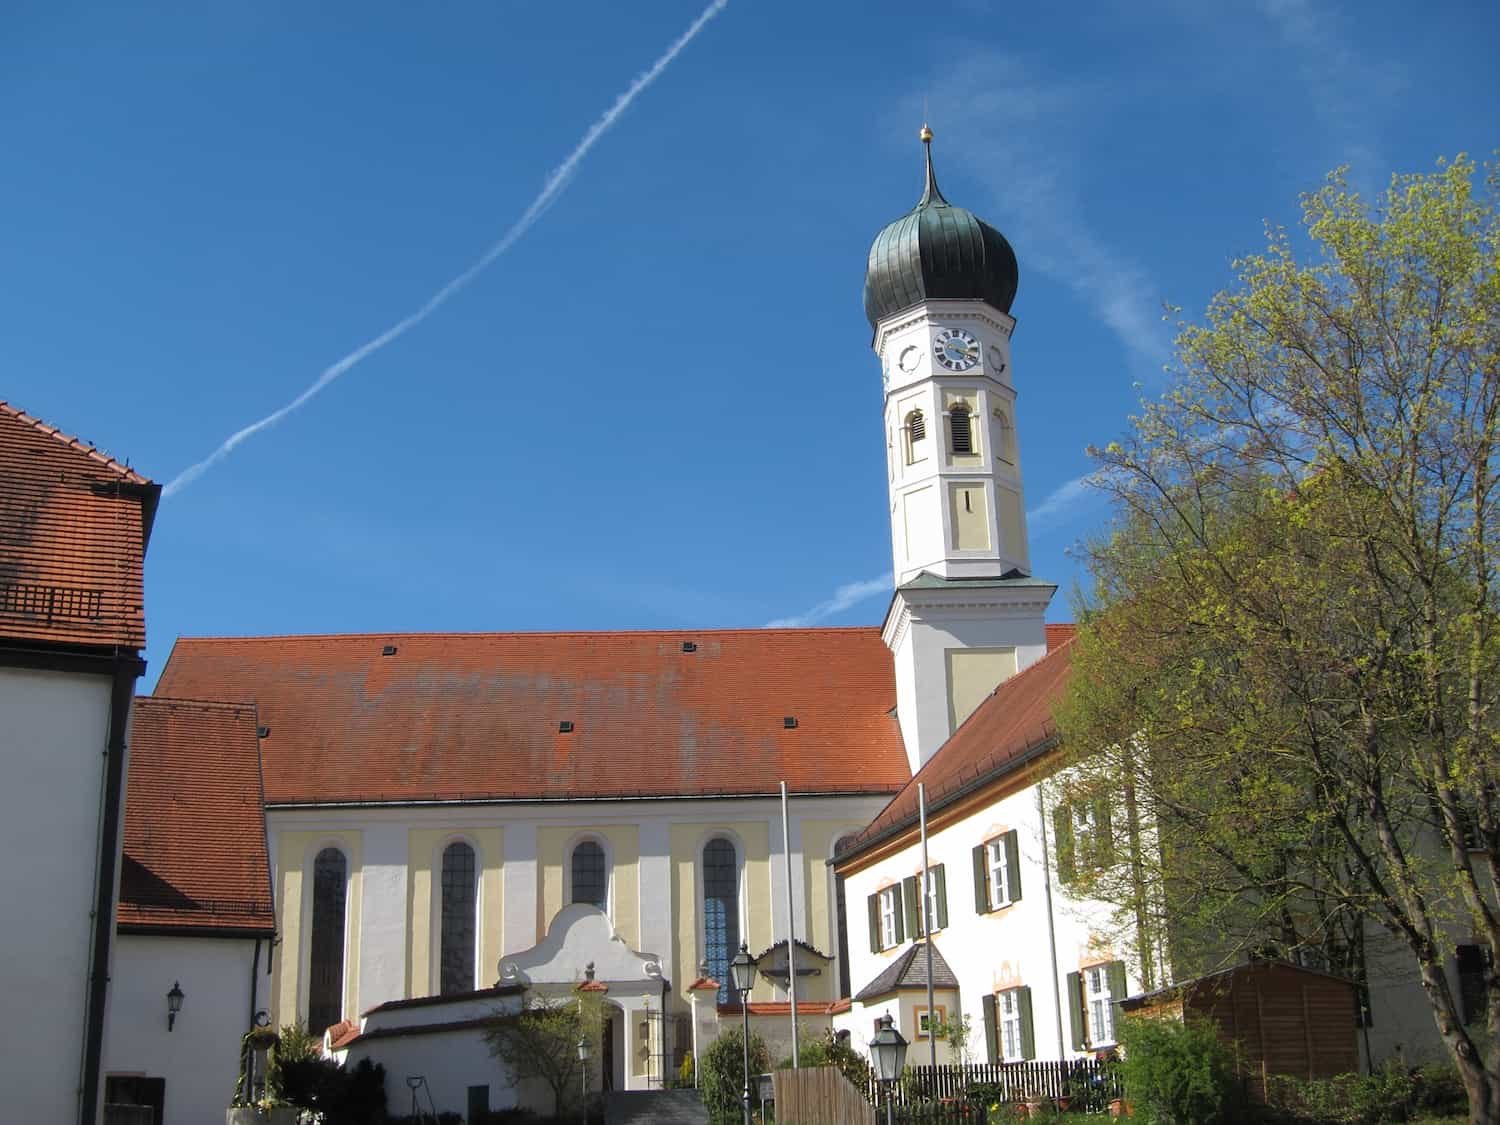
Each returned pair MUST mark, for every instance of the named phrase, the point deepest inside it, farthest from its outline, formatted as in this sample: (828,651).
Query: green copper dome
(938,250)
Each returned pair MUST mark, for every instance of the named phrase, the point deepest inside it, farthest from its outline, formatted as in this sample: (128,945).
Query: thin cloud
(1015,124)
(553,186)
(847,595)
(1346,91)
(1058,503)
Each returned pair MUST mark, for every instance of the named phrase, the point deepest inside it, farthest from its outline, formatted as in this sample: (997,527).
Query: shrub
(1346,1099)
(682,1078)
(723,1073)
(830,1050)
(1179,1074)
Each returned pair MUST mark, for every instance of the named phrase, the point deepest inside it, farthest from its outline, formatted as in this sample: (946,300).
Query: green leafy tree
(1285,687)
(541,1042)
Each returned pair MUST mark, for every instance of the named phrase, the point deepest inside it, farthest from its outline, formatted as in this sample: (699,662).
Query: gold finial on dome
(925,134)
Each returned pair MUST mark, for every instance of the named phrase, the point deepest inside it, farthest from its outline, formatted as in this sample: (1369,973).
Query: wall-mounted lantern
(174,1004)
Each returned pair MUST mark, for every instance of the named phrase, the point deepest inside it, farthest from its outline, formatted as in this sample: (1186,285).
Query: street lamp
(742,974)
(888,1050)
(174,1004)
(583,1059)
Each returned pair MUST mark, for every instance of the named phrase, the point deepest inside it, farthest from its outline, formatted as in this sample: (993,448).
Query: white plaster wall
(451,1062)
(383,938)
(993,951)
(199,1058)
(924,625)
(53,731)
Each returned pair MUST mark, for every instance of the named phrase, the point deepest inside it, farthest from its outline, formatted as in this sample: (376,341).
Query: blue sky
(658,408)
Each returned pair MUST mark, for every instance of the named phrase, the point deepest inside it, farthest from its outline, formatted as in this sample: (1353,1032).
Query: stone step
(665,1107)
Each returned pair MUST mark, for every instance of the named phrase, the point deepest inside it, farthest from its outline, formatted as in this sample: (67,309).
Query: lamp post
(174,1004)
(583,1060)
(888,1051)
(742,974)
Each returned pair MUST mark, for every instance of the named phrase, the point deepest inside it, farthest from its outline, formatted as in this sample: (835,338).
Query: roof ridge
(473,634)
(182,701)
(77,444)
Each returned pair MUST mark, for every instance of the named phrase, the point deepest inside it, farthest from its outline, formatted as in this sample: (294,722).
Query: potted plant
(246,1108)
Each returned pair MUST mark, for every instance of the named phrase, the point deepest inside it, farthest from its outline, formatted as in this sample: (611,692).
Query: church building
(448,814)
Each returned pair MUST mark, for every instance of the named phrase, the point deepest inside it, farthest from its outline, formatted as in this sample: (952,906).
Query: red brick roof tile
(195,830)
(1014,721)
(476,716)
(73,530)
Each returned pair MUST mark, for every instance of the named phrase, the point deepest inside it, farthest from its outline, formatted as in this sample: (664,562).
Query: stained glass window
(460,893)
(325,1005)
(721,911)
(590,880)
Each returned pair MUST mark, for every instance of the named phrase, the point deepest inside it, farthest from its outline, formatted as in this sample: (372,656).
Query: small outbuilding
(1286,1019)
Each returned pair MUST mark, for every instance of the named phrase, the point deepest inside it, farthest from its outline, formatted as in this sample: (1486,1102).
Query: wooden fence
(1088,1085)
(819,1096)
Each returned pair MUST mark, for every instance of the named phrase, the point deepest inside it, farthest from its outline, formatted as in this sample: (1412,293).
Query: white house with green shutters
(1034,969)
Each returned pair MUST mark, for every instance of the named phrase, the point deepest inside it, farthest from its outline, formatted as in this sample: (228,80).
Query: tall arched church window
(325,993)
(460,896)
(916,431)
(721,910)
(590,876)
(961,425)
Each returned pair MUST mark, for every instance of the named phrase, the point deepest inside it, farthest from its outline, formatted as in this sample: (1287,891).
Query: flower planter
(249,1115)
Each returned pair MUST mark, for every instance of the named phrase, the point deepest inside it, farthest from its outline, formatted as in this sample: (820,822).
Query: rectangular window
(935,917)
(999,886)
(1010,1025)
(997,873)
(923,1022)
(1084,836)
(889,937)
(1101,1006)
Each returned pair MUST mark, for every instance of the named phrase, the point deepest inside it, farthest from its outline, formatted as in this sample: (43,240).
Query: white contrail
(849,594)
(555,183)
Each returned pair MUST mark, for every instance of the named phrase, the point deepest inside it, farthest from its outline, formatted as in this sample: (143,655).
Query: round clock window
(955,349)
(908,360)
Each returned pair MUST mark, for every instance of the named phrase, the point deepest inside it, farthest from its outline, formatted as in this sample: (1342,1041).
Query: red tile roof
(1004,731)
(784,1007)
(73,530)
(477,715)
(195,829)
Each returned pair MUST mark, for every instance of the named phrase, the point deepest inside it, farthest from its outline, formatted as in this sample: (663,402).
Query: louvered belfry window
(460,894)
(963,429)
(325,1000)
(916,425)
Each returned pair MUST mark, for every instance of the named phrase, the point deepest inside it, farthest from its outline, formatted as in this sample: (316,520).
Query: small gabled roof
(909,971)
(74,524)
(559,716)
(195,857)
(1006,731)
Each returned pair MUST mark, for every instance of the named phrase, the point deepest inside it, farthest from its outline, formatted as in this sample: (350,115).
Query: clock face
(956,349)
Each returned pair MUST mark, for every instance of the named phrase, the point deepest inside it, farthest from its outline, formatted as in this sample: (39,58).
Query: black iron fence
(962,1093)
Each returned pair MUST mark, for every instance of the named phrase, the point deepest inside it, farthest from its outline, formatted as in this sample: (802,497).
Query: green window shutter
(1104,847)
(1028,1035)
(1114,972)
(1062,831)
(900,918)
(981,881)
(941,887)
(1013,864)
(874,904)
(991,1030)
(1075,1009)
(912,892)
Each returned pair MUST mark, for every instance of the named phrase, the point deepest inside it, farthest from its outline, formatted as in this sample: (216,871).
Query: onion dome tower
(938,291)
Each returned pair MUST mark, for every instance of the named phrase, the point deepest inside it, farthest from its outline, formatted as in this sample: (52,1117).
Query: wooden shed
(1286,1019)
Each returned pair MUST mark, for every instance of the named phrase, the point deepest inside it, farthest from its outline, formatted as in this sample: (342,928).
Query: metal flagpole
(791,924)
(927,924)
